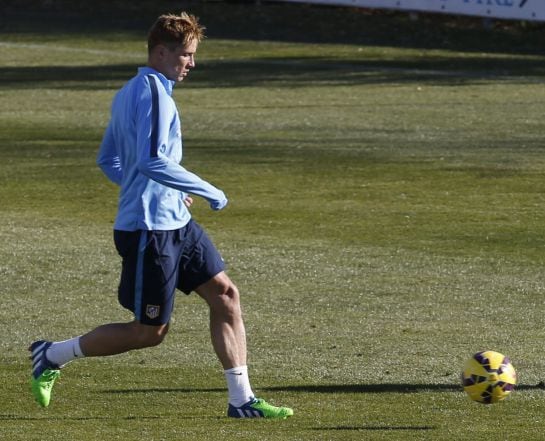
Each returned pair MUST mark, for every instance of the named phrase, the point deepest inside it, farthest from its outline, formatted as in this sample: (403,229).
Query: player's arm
(153,118)
(171,174)
(108,159)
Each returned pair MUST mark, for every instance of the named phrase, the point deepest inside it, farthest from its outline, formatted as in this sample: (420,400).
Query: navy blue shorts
(155,263)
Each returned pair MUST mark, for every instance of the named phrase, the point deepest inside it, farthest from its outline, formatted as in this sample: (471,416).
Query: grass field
(386,221)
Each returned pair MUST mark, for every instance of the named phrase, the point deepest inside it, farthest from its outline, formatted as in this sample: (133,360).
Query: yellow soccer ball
(488,377)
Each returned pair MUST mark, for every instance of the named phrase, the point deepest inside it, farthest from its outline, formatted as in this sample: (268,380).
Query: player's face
(178,62)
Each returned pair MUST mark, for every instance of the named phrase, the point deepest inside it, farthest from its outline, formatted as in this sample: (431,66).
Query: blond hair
(173,30)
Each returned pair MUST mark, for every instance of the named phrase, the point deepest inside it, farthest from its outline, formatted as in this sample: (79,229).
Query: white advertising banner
(506,9)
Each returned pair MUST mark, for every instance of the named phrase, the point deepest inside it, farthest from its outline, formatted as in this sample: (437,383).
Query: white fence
(504,9)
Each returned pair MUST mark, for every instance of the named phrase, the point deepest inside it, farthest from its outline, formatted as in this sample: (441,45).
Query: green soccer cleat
(42,386)
(44,373)
(258,408)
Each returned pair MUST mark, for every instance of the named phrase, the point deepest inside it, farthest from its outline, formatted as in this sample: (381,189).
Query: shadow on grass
(287,72)
(329,388)
(66,77)
(376,428)
(384,388)
(9,417)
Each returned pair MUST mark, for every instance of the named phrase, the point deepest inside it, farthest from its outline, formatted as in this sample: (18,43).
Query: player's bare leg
(116,338)
(229,341)
(226,324)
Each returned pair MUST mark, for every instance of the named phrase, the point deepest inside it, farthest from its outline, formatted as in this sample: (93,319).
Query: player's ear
(161,50)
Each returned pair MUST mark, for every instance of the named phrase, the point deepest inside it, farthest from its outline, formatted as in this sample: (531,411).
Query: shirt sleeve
(173,175)
(154,115)
(108,158)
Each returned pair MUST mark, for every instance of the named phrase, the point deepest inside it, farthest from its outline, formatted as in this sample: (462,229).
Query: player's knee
(156,338)
(222,296)
(148,336)
(231,301)
(230,291)
(228,300)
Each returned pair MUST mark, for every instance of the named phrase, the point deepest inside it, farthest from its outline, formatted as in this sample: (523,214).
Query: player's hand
(188,201)
(218,204)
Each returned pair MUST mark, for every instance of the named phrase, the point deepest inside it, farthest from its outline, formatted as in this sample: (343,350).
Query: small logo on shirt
(152,311)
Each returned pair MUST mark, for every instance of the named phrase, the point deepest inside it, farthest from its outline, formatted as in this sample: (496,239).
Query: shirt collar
(169,84)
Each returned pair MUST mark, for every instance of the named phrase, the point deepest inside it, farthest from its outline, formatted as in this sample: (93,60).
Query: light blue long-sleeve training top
(141,151)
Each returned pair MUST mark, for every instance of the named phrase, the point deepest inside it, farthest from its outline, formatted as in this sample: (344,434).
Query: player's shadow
(330,388)
(383,388)
(365,388)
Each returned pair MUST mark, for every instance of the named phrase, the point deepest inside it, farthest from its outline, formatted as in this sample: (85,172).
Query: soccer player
(162,248)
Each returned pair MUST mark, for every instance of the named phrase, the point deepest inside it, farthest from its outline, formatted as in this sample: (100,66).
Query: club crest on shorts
(152,311)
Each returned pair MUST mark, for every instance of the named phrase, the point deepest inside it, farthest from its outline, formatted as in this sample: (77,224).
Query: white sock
(238,385)
(62,352)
